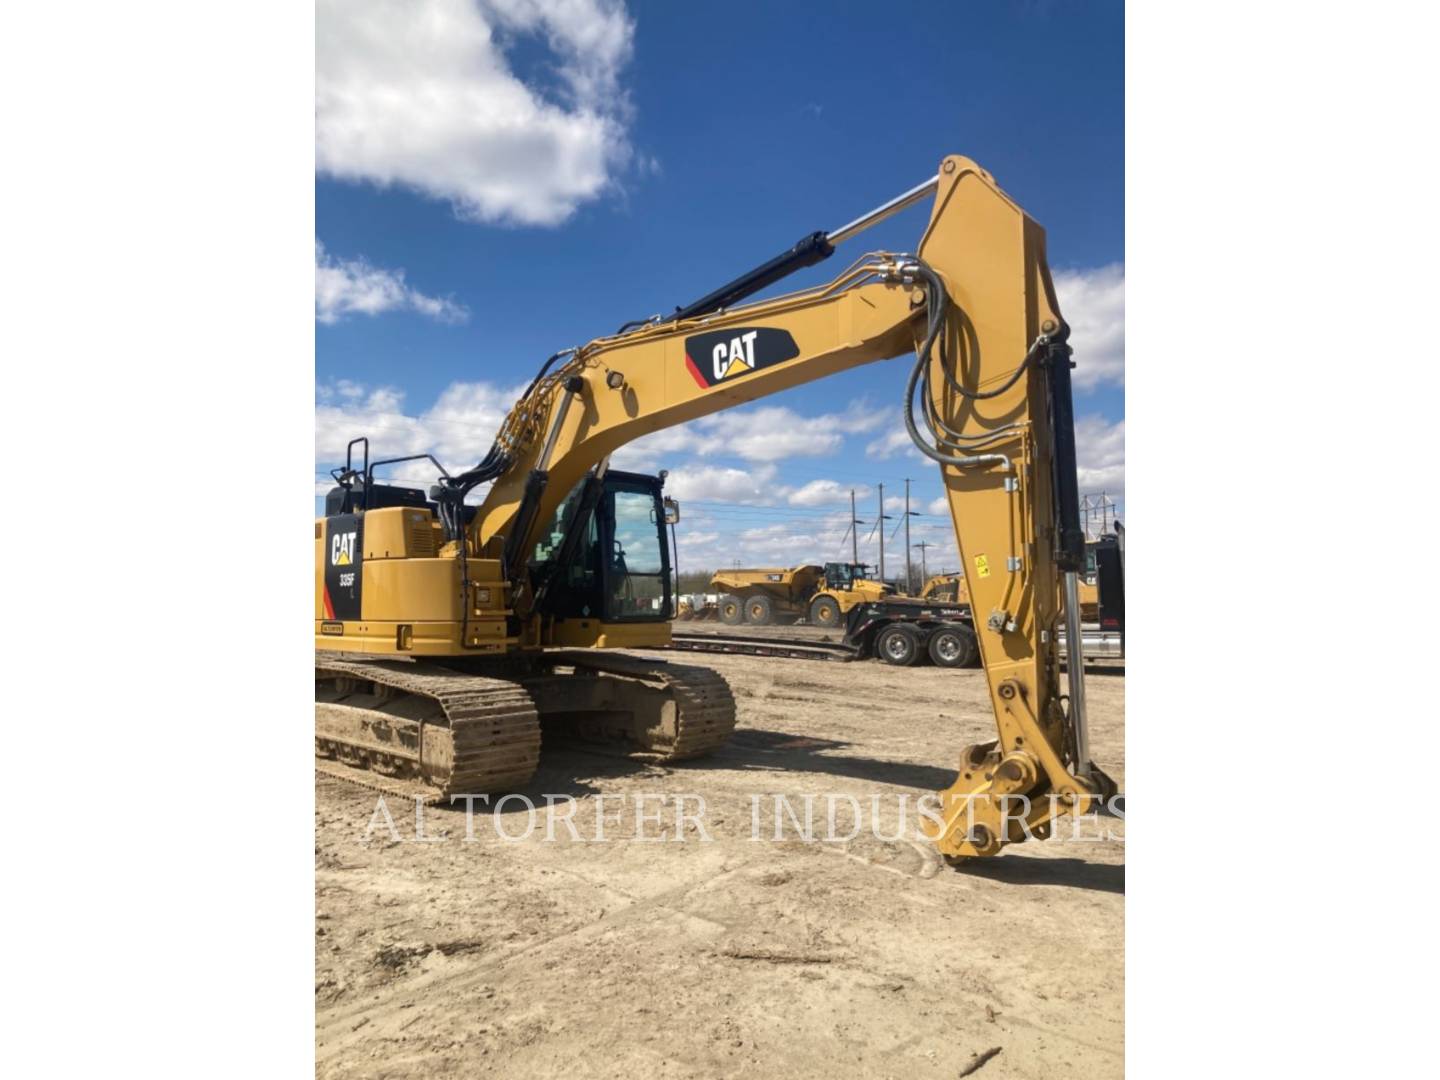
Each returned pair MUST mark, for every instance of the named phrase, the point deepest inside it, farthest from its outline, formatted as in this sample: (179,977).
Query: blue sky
(503,178)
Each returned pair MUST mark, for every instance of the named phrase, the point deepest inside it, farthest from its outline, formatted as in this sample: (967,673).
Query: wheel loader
(821,594)
(453,625)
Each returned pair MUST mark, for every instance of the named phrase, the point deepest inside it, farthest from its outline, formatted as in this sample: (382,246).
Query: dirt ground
(735,956)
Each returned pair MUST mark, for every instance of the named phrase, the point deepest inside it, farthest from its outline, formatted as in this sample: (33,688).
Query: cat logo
(728,354)
(342,548)
(735,357)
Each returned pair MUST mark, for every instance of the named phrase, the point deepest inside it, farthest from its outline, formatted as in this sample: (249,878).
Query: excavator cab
(604,555)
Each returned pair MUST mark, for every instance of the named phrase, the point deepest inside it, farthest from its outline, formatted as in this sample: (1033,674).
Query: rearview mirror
(672,511)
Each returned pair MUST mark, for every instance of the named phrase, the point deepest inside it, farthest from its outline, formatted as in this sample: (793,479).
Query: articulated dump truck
(771,594)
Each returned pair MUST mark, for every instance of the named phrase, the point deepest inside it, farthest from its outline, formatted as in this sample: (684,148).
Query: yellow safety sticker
(982,566)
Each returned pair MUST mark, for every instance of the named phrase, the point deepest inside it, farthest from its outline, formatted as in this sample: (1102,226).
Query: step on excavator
(452,625)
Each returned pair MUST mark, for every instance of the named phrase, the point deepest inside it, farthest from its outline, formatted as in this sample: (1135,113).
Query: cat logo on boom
(342,548)
(713,357)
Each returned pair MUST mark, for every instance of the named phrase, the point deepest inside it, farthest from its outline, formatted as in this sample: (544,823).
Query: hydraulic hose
(450,493)
(937,304)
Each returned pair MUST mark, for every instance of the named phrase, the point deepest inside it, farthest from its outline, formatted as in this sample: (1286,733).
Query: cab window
(637,568)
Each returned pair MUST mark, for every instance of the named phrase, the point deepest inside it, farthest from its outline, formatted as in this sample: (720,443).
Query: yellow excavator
(451,625)
(947,587)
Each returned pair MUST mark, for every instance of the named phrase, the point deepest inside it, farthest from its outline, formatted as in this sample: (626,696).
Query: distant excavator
(947,587)
(447,633)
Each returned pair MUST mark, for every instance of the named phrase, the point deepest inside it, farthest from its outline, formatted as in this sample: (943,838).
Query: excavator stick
(994,378)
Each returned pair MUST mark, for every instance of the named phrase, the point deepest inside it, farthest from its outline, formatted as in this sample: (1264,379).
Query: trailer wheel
(898,645)
(825,611)
(954,646)
(757,610)
(732,612)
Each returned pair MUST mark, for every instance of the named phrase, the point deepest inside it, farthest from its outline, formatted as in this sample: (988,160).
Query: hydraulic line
(981,395)
(937,303)
(955,439)
(450,493)
(544,368)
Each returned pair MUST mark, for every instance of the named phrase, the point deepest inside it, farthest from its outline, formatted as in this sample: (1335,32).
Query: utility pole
(882,534)
(922,545)
(909,581)
(880,528)
(854,532)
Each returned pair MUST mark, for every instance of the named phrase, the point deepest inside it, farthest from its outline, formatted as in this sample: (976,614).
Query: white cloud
(766,434)
(826,493)
(421,94)
(859,416)
(1093,303)
(940,507)
(770,433)
(712,483)
(1100,454)
(892,442)
(458,429)
(379,415)
(464,419)
(352,286)
(650,452)
(786,543)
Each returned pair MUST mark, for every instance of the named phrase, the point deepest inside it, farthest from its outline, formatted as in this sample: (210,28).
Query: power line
(922,545)
(716,505)
(854,531)
(884,517)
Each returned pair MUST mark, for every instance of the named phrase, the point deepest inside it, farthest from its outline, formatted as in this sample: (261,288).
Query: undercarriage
(441,728)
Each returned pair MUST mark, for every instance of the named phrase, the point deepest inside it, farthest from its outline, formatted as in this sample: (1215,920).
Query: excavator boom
(988,400)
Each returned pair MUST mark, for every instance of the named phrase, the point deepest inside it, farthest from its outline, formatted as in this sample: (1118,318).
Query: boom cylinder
(814,248)
(809,251)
